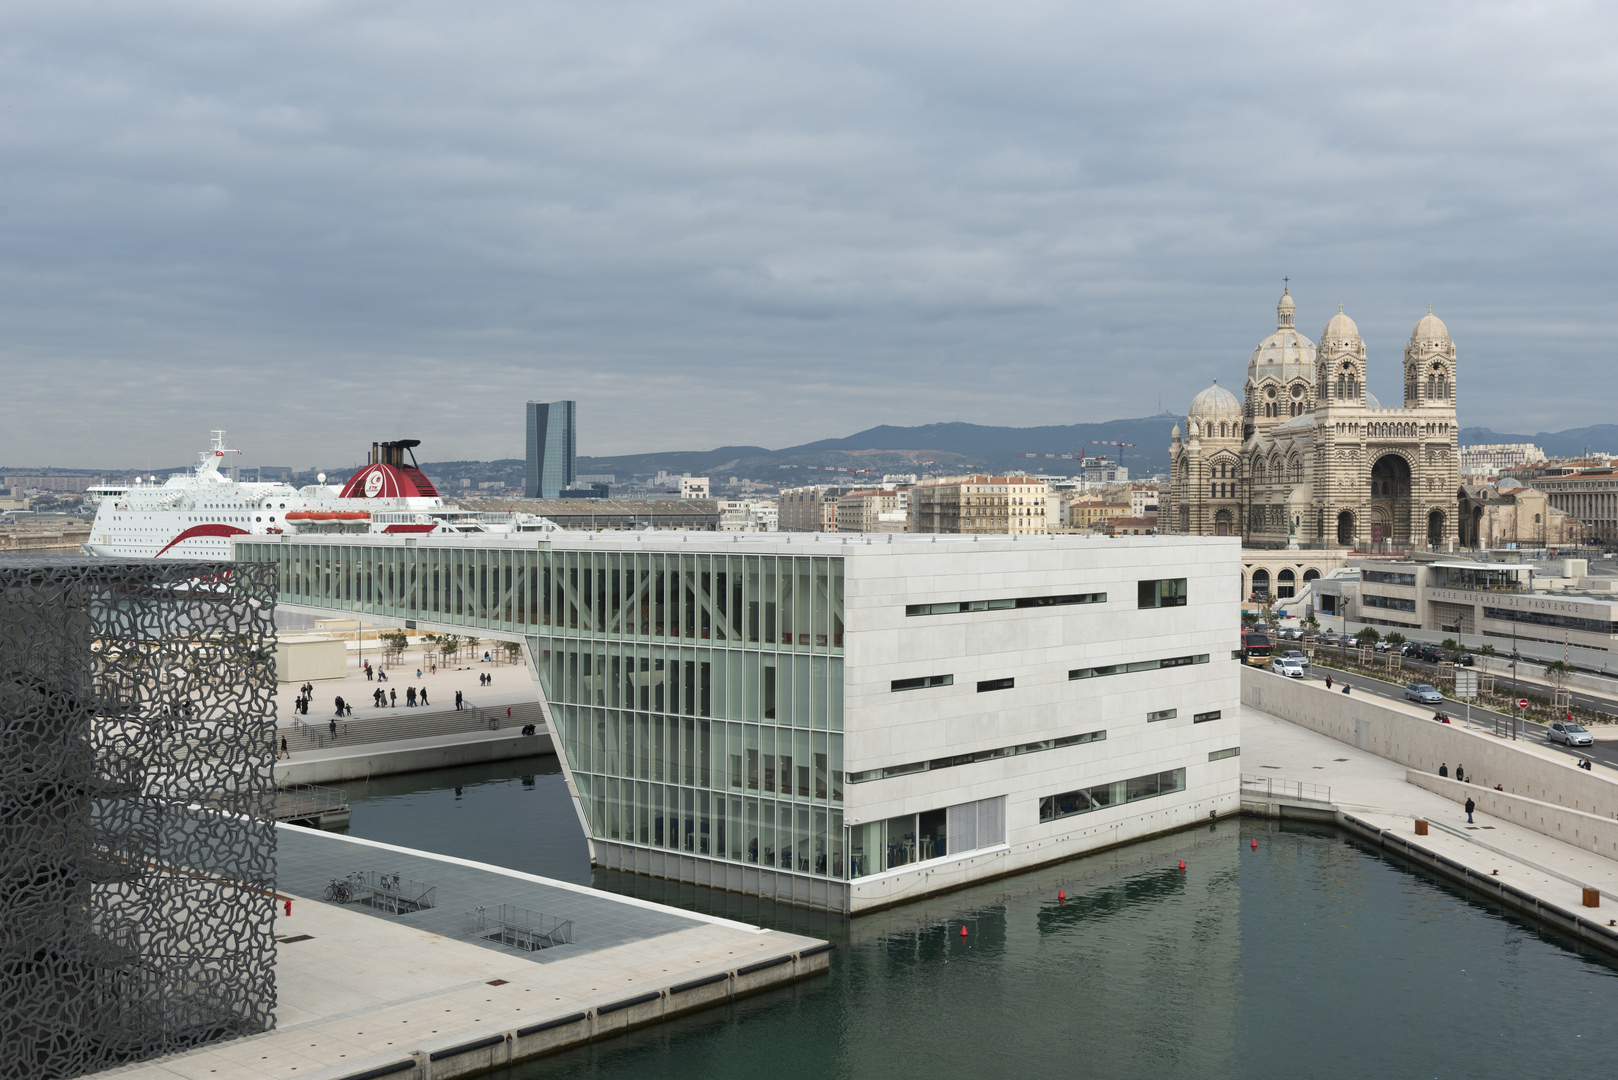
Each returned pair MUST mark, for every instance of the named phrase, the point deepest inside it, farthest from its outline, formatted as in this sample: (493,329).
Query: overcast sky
(319,224)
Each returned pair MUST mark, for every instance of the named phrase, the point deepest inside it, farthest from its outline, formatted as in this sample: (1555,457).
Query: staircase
(410,724)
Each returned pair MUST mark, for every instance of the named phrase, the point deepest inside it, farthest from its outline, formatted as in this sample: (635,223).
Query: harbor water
(1309,957)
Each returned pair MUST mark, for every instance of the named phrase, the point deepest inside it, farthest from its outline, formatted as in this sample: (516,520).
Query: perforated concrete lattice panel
(137,849)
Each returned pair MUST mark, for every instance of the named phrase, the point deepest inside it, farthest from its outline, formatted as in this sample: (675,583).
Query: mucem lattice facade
(137,849)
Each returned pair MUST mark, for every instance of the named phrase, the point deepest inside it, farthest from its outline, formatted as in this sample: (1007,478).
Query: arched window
(1285,584)
(1310,575)
(1261,583)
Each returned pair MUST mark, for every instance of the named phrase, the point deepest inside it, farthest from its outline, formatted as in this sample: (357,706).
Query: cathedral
(1308,458)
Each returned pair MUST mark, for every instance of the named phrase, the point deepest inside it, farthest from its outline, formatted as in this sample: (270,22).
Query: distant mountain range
(953,447)
(1570,443)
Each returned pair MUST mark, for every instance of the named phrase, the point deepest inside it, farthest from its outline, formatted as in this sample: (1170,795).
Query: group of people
(380,674)
(300,704)
(1460,771)
(486,679)
(389,698)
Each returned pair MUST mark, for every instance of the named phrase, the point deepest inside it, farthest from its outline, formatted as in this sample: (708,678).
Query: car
(1294,654)
(1383,646)
(1569,733)
(1432,653)
(1330,637)
(1409,649)
(1422,692)
(1466,659)
(1285,665)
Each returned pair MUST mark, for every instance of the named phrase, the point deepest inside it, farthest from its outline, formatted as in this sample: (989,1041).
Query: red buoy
(963,931)
(1255,843)
(1182,865)
(1061,894)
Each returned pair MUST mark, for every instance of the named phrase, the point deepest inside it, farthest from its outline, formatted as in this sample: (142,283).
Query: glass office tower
(552,446)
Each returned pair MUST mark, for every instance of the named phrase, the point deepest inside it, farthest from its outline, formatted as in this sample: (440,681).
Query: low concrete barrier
(386,759)
(1418,743)
(1587,831)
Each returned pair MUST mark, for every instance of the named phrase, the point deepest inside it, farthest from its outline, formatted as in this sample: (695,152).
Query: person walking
(1328,682)
(422,694)
(381,674)
(457,701)
(1470,806)
(333,723)
(410,697)
(1443,768)
(393,698)
(368,673)
(339,705)
(1460,772)
(284,752)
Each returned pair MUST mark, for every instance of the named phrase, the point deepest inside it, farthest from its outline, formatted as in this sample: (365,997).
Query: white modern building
(843,721)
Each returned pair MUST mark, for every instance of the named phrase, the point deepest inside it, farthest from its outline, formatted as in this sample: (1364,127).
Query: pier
(429,967)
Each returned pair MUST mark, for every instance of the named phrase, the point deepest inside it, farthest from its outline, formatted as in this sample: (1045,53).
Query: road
(1605,753)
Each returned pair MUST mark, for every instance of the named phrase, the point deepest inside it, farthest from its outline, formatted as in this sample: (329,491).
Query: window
(995,684)
(922,682)
(1391,603)
(1387,577)
(956,606)
(1221,755)
(1085,800)
(1204,717)
(1138,665)
(1162,714)
(1167,592)
(981,755)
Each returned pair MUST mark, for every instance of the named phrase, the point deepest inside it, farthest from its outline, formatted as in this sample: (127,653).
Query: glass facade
(698,697)
(552,449)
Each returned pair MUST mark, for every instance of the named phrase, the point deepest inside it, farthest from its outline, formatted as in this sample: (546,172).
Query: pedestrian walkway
(1374,790)
(510,683)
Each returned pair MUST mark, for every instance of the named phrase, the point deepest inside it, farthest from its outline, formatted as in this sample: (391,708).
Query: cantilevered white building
(842,721)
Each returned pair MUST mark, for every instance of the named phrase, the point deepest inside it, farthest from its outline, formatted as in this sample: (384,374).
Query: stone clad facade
(1309,458)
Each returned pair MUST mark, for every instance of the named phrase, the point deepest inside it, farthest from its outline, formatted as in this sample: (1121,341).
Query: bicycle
(340,891)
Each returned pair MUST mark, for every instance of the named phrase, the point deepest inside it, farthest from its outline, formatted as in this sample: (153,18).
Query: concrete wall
(301,660)
(384,759)
(1421,744)
(1587,831)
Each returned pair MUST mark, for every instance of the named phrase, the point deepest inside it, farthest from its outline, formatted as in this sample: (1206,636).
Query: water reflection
(1313,956)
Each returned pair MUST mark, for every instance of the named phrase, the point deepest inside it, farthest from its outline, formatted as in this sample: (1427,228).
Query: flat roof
(1481,566)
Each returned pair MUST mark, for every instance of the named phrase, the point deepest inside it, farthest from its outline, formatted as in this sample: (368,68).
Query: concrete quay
(1379,801)
(358,759)
(429,995)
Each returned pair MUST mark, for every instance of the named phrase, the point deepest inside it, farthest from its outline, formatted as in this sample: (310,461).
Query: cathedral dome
(1216,403)
(1431,328)
(1340,328)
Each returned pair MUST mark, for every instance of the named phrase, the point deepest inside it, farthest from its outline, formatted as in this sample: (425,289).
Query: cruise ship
(194,515)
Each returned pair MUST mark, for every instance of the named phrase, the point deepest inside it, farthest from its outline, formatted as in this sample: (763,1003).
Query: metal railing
(1273,786)
(294,801)
(519,928)
(392,893)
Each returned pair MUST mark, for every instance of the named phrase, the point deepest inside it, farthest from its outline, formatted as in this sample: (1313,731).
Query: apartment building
(984,505)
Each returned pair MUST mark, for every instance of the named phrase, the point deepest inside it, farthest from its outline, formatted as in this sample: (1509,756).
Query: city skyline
(310,224)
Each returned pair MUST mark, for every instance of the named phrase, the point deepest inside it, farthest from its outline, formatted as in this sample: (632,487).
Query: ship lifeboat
(299,515)
(353,515)
(322,515)
(273,529)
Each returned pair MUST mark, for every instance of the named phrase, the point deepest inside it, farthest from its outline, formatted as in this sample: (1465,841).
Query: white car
(1294,654)
(1286,665)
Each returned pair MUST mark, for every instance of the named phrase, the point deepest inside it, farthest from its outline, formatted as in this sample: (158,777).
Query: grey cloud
(319,224)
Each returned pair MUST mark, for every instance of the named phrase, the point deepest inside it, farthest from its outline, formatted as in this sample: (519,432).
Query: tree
(1271,619)
(1395,639)
(1449,644)
(513,651)
(1311,623)
(394,639)
(1249,619)
(1368,636)
(1558,671)
(473,643)
(1486,650)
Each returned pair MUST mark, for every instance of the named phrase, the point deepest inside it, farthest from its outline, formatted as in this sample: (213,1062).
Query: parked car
(1383,646)
(1285,665)
(1422,692)
(1294,654)
(1330,637)
(1570,733)
(1466,659)
(1432,653)
(1409,649)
